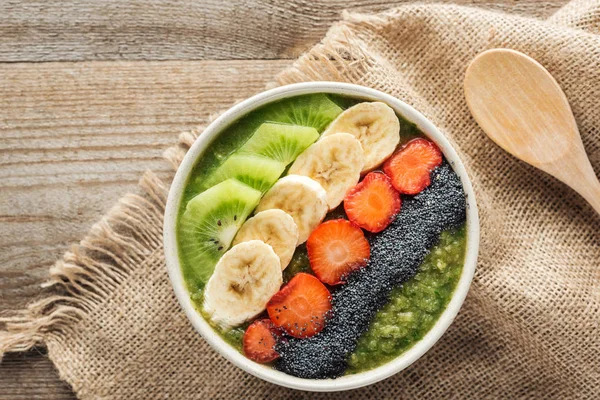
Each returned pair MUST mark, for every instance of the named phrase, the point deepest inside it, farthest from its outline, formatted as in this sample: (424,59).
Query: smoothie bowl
(321,236)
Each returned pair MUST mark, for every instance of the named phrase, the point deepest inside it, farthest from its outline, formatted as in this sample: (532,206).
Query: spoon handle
(579,174)
(591,193)
(576,171)
(573,167)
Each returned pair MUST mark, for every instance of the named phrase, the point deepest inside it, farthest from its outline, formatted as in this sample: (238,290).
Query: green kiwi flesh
(257,172)
(280,142)
(209,224)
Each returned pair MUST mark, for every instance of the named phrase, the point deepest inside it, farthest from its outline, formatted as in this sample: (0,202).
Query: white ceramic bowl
(265,372)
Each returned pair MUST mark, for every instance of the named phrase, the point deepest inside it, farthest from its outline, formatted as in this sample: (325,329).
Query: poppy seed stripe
(396,254)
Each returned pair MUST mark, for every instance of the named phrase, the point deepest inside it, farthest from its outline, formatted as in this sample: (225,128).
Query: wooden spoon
(519,105)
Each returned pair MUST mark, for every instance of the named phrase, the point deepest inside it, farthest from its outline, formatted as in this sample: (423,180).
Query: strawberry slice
(301,307)
(373,203)
(410,167)
(259,341)
(335,249)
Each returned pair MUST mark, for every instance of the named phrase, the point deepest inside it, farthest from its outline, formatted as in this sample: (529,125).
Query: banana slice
(301,197)
(274,227)
(244,280)
(335,162)
(376,127)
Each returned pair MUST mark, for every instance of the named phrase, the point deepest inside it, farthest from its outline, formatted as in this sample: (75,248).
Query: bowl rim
(267,373)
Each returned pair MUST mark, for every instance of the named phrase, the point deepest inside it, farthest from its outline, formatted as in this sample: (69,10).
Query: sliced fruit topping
(373,203)
(274,227)
(280,142)
(314,110)
(257,172)
(335,249)
(209,224)
(301,307)
(411,166)
(301,197)
(335,162)
(260,340)
(376,127)
(245,278)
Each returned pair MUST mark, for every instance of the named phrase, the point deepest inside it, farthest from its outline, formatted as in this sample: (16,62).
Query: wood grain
(75,30)
(31,376)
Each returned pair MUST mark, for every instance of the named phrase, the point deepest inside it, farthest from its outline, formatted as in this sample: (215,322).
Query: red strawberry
(335,249)
(410,167)
(301,307)
(259,341)
(373,203)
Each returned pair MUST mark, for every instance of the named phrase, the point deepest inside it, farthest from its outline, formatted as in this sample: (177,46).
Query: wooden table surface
(92,92)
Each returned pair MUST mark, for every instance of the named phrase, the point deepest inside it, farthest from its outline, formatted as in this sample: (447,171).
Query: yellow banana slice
(274,227)
(301,197)
(376,127)
(244,280)
(335,162)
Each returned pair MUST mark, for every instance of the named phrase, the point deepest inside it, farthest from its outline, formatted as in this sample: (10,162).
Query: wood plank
(75,137)
(31,376)
(56,30)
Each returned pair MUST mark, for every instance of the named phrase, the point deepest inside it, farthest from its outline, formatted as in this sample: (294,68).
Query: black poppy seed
(235,217)
(220,248)
(396,254)
(219,222)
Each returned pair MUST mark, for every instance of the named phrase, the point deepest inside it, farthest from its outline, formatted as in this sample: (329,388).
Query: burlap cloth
(529,327)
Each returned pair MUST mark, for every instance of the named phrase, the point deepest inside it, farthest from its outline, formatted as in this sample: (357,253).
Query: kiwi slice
(209,224)
(257,172)
(280,142)
(314,110)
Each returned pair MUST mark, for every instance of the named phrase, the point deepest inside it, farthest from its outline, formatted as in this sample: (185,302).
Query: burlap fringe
(91,270)
(336,62)
(174,155)
(341,57)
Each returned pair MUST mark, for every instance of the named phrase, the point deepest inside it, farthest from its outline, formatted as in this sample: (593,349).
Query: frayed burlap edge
(90,270)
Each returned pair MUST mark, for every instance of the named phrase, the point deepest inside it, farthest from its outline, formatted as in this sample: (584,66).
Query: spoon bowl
(521,107)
